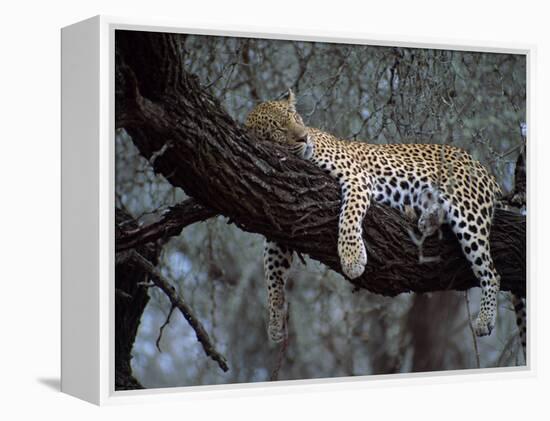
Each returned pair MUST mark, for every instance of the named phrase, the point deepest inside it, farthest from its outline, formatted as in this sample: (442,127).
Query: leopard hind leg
(432,208)
(472,231)
(277,263)
(433,212)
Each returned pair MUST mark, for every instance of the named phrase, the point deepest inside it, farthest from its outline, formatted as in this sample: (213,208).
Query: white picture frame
(88,214)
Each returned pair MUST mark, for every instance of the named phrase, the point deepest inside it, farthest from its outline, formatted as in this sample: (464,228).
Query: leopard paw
(277,329)
(484,324)
(353,258)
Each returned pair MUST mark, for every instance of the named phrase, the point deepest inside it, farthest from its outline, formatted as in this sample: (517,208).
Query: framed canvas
(244,210)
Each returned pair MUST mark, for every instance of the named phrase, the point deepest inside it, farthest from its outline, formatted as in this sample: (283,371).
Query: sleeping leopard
(441,184)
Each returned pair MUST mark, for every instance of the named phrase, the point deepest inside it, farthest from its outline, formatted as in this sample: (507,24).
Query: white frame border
(107,394)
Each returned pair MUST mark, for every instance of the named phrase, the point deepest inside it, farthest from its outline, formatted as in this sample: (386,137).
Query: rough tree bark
(130,301)
(137,251)
(188,137)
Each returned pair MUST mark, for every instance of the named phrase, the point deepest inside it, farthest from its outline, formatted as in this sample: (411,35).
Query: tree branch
(264,189)
(130,302)
(172,222)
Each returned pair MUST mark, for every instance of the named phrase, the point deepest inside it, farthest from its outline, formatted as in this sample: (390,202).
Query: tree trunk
(130,302)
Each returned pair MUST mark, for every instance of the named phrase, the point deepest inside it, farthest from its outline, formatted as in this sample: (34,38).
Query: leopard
(439,183)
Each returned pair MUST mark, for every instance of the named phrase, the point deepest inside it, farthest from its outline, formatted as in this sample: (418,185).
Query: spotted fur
(441,184)
(277,261)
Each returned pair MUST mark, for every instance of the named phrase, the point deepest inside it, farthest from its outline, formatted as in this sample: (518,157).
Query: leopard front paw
(353,258)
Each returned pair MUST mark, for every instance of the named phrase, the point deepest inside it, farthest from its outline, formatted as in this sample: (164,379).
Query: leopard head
(279,122)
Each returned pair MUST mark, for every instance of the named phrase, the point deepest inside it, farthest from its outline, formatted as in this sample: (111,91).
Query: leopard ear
(291,99)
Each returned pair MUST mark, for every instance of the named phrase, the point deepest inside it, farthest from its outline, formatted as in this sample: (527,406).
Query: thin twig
(282,350)
(123,294)
(177,301)
(474,337)
(166,322)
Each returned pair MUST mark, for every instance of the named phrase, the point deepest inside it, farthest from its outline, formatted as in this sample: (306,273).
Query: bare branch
(282,351)
(173,221)
(166,322)
(186,311)
(471,325)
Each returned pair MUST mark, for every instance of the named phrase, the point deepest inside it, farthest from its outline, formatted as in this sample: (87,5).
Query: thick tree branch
(263,189)
(172,222)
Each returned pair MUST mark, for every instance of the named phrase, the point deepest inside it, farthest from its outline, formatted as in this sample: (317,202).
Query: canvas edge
(80,87)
